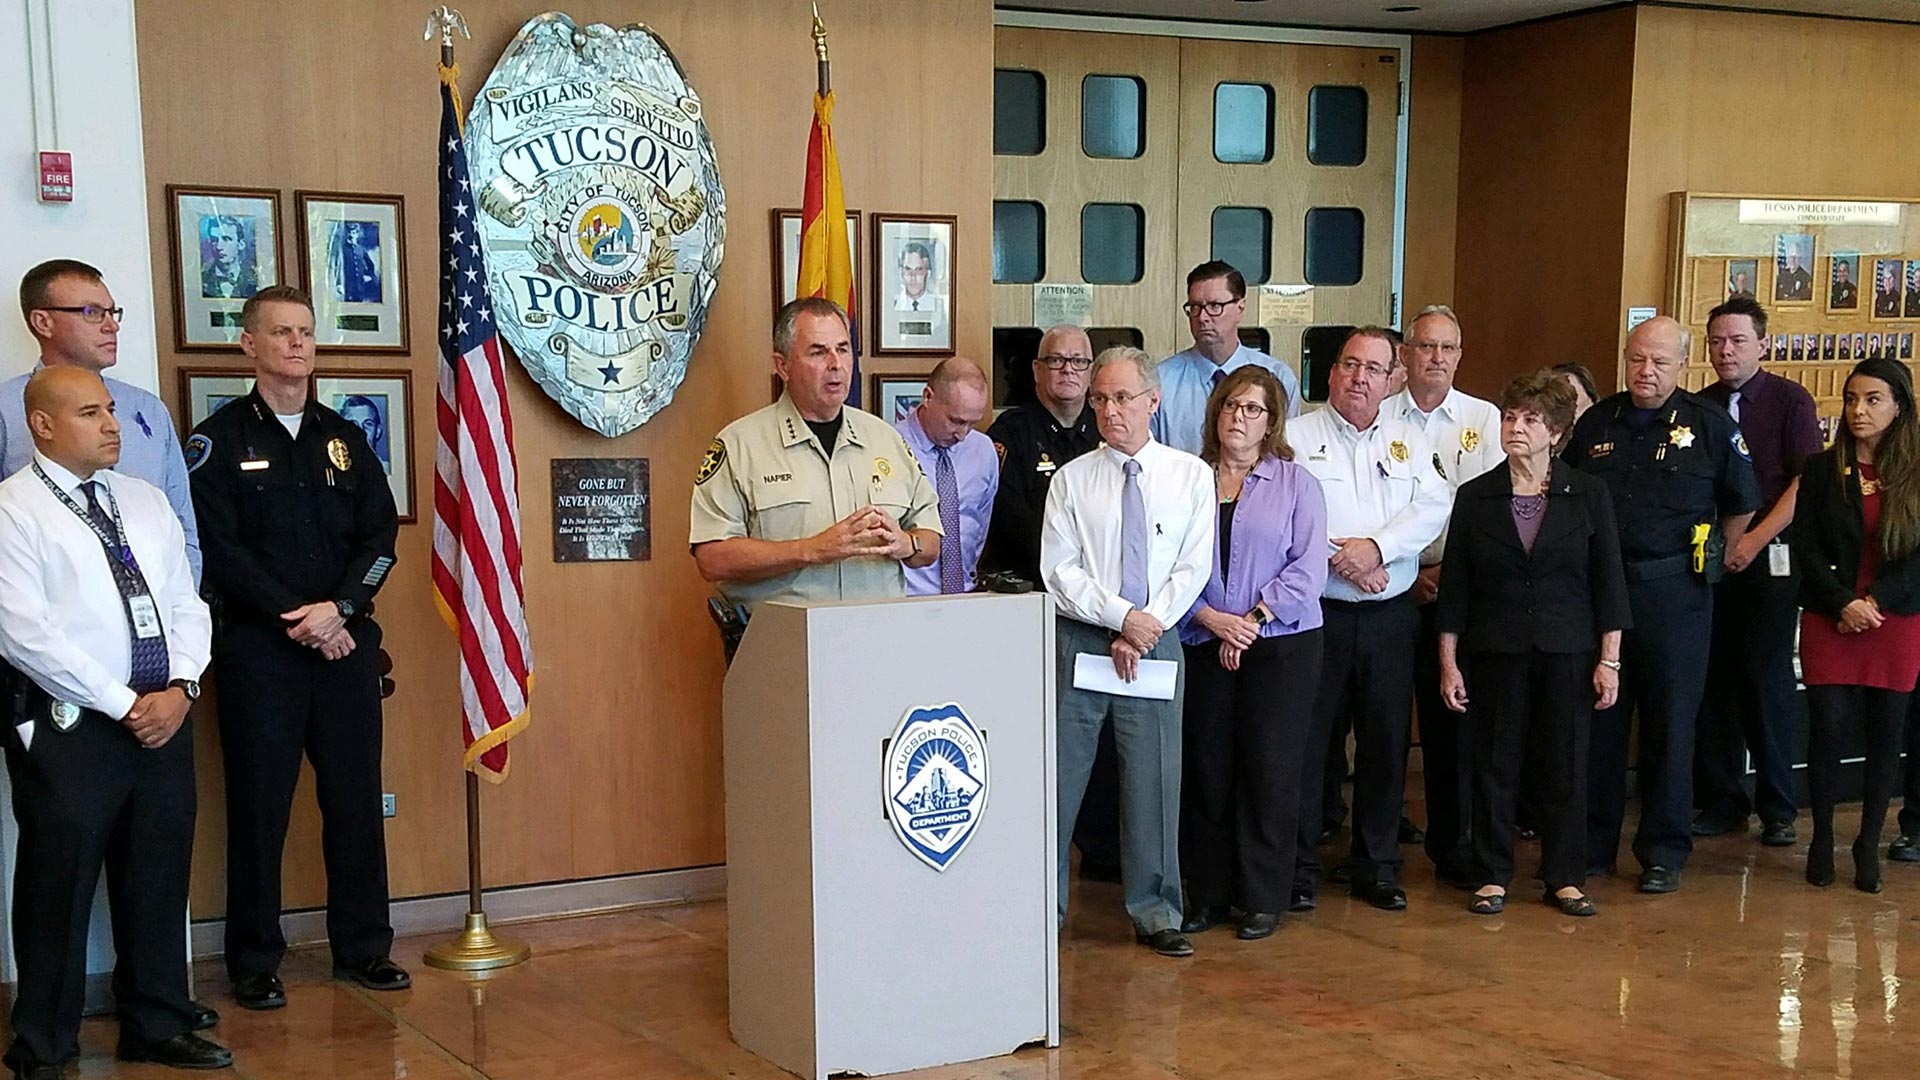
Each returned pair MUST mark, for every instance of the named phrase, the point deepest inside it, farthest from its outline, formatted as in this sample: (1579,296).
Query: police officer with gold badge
(1683,487)
(298,525)
(807,499)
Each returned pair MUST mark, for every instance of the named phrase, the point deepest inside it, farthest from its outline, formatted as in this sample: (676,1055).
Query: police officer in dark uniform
(298,525)
(1677,468)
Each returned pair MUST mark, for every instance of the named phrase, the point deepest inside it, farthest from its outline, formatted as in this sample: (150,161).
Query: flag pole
(475,948)
(820,51)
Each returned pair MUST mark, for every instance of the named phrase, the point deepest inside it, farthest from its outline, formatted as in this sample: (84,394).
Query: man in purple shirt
(1749,705)
(963,467)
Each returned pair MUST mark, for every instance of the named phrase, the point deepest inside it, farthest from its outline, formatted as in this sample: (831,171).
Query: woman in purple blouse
(1253,663)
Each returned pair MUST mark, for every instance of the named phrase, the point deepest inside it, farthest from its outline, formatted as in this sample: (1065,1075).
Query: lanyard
(116,545)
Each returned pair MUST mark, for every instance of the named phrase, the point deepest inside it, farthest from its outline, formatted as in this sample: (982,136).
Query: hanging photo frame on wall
(353,258)
(205,390)
(380,403)
(913,286)
(785,225)
(225,246)
(895,396)
(1887,280)
(1793,269)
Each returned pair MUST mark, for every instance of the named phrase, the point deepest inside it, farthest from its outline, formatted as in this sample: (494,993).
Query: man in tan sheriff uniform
(807,499)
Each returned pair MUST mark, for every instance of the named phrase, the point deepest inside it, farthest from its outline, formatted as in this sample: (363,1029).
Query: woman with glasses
(1253,661)
(1532,602)
(1855,532)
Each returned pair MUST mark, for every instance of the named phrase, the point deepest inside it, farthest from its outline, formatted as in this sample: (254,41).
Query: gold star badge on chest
(1681,436)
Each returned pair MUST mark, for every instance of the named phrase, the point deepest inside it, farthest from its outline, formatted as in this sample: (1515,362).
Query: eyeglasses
(1120,398)
(1444,348)
(1212,307)
(1056,362)
(91,313)
(1351,366)
(1252,410)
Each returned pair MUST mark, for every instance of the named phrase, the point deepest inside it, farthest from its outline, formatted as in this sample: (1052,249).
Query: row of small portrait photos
(1841,346)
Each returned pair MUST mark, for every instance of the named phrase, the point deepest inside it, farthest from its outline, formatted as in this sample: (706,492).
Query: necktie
(1133,538)
(149,654)
(1733,405)
(1219,376)
(953,577)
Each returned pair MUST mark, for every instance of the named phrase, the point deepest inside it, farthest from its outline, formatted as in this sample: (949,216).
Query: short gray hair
(1127,354)
(1440,311)
(790,314)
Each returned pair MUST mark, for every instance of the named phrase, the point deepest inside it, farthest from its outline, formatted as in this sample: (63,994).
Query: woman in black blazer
(1855,530)
(1531,589)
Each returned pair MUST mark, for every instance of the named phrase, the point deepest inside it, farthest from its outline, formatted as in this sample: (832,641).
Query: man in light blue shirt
(71,314)
(963,467)
(1216,302)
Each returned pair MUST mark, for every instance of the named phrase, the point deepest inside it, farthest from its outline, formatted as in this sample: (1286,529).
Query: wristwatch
(1613,664)
(1259,615)
(915,537)
(346,607)
(187,687)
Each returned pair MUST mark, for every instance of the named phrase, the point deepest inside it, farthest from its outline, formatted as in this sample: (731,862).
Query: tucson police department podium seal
(937,782)
(602,215)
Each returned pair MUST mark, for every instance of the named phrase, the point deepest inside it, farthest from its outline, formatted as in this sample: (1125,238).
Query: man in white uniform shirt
(1126,545)
(1464,433)
(105,635)
(1385,503)
(1216,303)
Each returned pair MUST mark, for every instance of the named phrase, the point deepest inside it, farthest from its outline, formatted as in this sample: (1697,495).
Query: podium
(891,904)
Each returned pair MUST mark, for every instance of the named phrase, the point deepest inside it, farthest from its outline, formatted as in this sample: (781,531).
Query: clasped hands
(1861,616)
(320,626)
(1139,633)
(868,531)
(1358,560)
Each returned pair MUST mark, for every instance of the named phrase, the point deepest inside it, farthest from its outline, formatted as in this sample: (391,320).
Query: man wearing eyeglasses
(70,312)
(1034,440)
(1385,503)
(1216,302)
(1464,434)
(1126,546)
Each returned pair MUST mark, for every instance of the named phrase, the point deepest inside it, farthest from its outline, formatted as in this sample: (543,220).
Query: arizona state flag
(826,263)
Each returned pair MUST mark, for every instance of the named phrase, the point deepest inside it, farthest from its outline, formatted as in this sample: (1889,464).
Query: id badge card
(1779,560)
(146,617)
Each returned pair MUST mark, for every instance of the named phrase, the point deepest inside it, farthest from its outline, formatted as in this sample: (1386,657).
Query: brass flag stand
(475,948)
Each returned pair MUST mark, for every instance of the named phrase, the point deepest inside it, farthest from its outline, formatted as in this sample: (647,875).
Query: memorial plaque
(600,510)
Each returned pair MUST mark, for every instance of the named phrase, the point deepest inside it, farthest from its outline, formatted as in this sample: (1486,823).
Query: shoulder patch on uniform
(715,457)
(198,449)
(1001,449)
(1740,445)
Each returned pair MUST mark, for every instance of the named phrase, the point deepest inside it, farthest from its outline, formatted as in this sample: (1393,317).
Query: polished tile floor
(1747,972)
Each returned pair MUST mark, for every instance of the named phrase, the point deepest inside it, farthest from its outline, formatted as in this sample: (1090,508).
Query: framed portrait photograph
(381,404)
(1846,347)
(353,258)
(225,246)
(786,253)
(1799,348)
(205,390)
(1827,346)
(1779,346)
(1906,345)
(912,296)
(1859,346)
(1888,275)
(1743,278)
(1843,283)
(1873,346)
(1912,308)
(1793,268)
(895,397)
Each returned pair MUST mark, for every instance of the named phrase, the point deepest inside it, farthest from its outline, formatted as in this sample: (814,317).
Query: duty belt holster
(731,619)
(1709,553)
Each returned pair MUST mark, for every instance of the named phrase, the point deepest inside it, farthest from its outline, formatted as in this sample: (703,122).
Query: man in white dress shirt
(1464,433)
(105,636)
(1126,544)
(1385,503)
(1216,303)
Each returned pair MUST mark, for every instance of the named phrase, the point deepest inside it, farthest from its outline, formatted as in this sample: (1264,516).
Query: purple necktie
(1133,538)
(953,577)
(150,660)
(1219,376)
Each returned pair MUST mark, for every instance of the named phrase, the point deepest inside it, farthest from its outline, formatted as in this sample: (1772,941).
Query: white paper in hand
(1154,679)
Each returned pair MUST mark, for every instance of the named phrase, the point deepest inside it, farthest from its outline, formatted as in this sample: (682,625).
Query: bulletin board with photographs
(1839,278)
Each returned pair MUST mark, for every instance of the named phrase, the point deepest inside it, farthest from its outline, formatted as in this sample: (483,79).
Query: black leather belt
(1655,569)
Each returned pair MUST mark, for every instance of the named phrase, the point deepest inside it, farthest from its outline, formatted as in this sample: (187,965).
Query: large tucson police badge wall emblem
(937,781)
(602,216)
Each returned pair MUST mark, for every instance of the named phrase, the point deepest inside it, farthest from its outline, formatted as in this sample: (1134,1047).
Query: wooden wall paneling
(1433,171)
(621,771)
(1064,179)
(1289,185)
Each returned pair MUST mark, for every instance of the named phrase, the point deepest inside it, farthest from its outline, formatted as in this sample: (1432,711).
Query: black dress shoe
(1411,833)
(1203,920)
(1303,901)
(1706,826)
(203,1016)
(1340,874)
(376,973)
(1779,834)
(1257,925)
(1166,942)
(38,1072)
(1905,848)
(187,1051)
(260,992)
(1866,865)
(1382,895)
(1659,879)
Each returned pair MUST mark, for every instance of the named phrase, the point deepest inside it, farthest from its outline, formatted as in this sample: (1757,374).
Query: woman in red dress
(1856,527)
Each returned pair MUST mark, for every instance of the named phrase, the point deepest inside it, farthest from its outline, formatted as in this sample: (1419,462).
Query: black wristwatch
(187,687)
(1260,615)
(346,608)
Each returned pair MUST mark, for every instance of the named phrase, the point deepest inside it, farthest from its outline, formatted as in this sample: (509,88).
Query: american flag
(476,486)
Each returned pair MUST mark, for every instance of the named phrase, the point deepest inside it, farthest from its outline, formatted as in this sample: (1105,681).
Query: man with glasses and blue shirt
(1216,302)
(1385,503)
(72,315)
